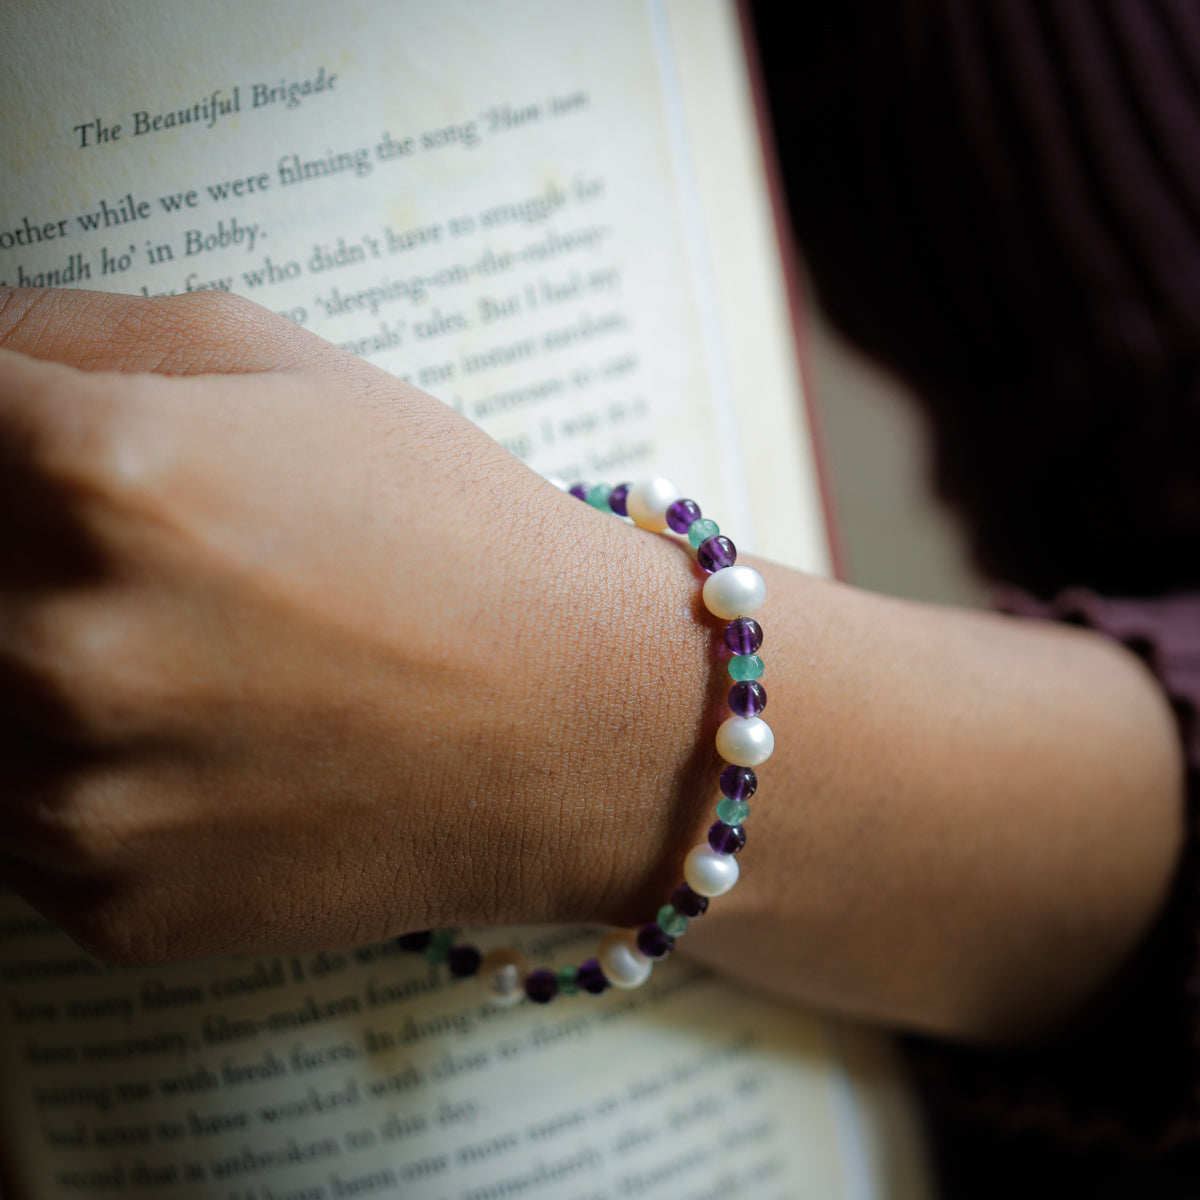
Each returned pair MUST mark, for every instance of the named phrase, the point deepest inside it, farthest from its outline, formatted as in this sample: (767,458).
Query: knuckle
(84,828)
(89,674)
(84,452)
(65,838)
(98,451)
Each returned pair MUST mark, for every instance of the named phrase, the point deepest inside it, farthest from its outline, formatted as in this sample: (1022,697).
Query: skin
(292,656)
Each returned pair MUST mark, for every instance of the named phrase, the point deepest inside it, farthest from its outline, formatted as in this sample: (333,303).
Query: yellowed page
(552,217)
(369,1071)
(401,180)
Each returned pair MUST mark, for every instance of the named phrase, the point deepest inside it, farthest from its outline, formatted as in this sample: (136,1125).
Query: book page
(528,247)
(555,221)
(370,1071)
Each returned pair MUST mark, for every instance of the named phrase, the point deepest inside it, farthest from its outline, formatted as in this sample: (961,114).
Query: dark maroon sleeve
(1126,1073)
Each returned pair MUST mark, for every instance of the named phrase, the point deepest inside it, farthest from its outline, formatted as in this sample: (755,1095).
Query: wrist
(732,594)
(617,777)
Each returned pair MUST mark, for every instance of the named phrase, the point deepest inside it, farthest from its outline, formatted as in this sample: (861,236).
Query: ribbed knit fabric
(1000,199)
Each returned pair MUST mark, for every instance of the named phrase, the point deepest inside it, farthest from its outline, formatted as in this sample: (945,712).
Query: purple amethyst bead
(743,635)
(463,961)
(653,942)
(716,553)
(688,902)
(579,491)
(617,497)
(681,514)
(747,698)
(415,943)
(590,977)
(726,839)
(541,986)
(738,783)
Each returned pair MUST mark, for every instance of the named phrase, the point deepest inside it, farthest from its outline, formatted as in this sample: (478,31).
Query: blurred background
(895,536)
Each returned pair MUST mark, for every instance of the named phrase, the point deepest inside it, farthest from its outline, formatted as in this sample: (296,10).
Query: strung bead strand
(744,740)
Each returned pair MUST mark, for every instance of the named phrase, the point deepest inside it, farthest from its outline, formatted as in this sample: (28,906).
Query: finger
(197,333)
(58,897)
(46,416)
(37,397)
(32,704)
(68,813)
(39,778)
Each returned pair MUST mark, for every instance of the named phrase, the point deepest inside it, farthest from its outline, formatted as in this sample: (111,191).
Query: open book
(557,219)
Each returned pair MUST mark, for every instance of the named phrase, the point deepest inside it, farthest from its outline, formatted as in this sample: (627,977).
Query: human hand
(291,655)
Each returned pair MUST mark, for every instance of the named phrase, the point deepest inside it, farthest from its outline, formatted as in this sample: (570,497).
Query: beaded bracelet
(625,957)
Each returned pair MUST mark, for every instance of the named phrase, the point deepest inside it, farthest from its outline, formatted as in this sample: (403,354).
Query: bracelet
(626,957)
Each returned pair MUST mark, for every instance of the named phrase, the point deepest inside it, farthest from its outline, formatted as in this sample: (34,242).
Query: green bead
(597,496)
(745,666)
(439,946)
(566,980)
(670,921)
(701,529)
(732,812)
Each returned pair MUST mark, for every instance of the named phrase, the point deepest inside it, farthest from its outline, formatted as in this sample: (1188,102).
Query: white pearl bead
(745,741)
(648,501)
(623,965)
(710,873)
(502,974)
(734,592)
